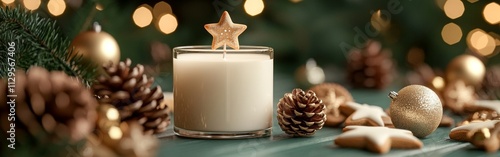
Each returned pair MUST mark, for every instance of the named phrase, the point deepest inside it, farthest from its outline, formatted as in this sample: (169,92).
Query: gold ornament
(416,108)
(97,46)
(467,68)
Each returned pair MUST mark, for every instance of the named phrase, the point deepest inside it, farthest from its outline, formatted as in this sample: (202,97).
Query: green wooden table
(319,145)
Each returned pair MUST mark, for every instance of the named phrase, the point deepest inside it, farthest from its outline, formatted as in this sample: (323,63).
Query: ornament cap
(393,95)
(97,27)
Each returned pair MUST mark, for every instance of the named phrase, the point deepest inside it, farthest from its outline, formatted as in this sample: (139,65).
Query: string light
(167,23)
(7,2)
(254,7)
(491,13)
(162,8)
(454,8)
(481,42)
(56,7)
(451,33)
(31,4)
(142,16)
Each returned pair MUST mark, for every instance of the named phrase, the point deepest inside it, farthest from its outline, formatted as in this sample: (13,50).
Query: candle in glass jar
(216,94)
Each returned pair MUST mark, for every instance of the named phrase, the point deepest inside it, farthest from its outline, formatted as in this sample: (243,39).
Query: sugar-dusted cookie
(479,105)
(367,115)
(460,133)
(377,139)
(333,95)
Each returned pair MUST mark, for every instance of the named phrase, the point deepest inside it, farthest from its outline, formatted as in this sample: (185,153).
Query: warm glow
(112,114)
(378,22)
(440,4)
(161,8)
(451,33)
(296,1)
(109,45)
(115,133)
(142,16)
(438,82)
(254,7)
(454,8)
(167,23)
(32,4)
(56,7)
(491,13)
(7,1)
(99,7)
(481,42)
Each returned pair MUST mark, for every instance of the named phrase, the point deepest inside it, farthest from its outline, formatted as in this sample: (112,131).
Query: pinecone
(128,89)
(300,113)
(490,88)
(50,109)
(370,67)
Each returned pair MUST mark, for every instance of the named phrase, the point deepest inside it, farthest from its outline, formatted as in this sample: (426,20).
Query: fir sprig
(38,41)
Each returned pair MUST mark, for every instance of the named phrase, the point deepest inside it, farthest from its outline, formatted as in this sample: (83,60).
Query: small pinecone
(301,113)
(128,89)
(490,88)
(50,108)
(370,67)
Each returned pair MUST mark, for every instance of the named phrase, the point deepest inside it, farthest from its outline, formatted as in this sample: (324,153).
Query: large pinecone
(301,113)
(128,89)
(50,108)
(370,67)
(490,88)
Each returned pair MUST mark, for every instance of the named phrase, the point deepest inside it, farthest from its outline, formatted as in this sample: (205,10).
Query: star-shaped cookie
(479,105)
(457,95)
(377,139)
(333,96)
(225,32)
(460,133)
(363,114)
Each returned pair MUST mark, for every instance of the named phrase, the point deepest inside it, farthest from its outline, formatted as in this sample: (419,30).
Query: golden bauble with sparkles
(467,68)
(416,108)
(97,46)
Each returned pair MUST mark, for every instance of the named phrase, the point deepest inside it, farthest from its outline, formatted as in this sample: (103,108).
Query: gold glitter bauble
(97,46)
(467,68)
(416,108)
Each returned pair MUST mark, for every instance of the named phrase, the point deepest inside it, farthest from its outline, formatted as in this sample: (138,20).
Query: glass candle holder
(223,93)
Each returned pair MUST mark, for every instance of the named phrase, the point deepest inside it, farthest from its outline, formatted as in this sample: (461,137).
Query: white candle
(212,94)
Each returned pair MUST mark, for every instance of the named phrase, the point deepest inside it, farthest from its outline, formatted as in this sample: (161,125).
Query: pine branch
(39,42)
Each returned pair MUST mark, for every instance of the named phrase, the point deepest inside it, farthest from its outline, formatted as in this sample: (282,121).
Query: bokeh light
(142,16)
(454,8)
(31,4)
(491,13)
(451,33)
(115,133)
(481,42)
(254,7)
(56,7)
(99,7)
(438,82)
(162,8)
(112,114)
(167,23)
(296,1)
(7,1)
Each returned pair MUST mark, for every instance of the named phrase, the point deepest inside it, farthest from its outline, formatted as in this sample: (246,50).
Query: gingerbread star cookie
(367,115)
(457,95)
(377,139)
(478,105)
(460,133)
(481,116)
(225,32)
(333,96)
(485,138)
